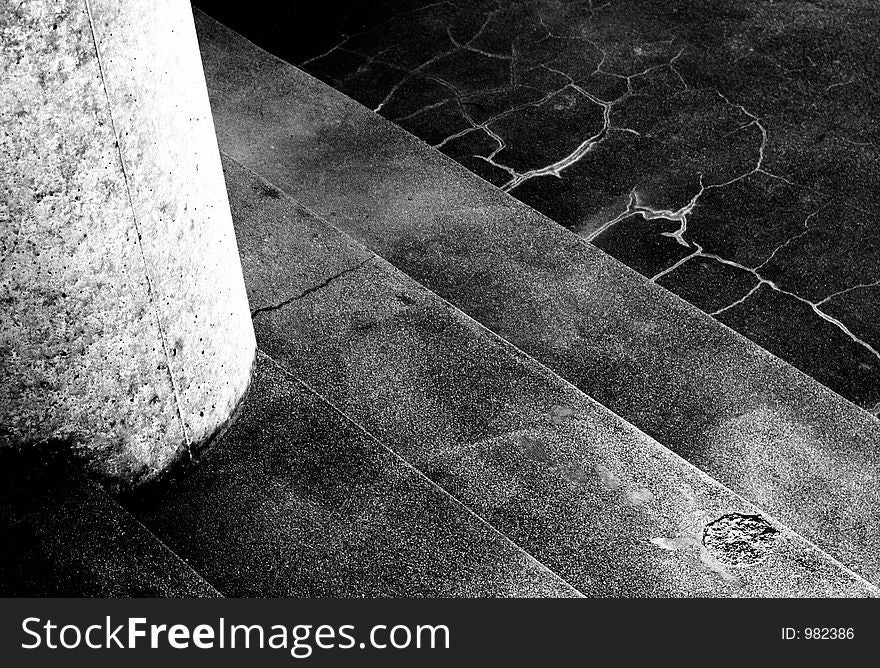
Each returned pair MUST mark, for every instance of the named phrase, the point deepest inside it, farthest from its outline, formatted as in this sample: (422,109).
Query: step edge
(419,474)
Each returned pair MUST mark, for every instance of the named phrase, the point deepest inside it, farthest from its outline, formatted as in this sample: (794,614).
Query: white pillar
(126,333)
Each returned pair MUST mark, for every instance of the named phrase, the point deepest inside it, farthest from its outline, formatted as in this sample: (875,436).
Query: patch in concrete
(736,539)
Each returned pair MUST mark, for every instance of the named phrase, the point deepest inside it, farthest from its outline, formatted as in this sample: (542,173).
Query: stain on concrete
(608,479)
(639,496)
(536,449)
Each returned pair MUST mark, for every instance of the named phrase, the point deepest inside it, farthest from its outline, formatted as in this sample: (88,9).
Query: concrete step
(296,501)
(63,535)
(606,507)
(754,423)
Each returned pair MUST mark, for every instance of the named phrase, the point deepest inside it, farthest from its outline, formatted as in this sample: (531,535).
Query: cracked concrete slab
(598,502)
(756,424)
(635,124)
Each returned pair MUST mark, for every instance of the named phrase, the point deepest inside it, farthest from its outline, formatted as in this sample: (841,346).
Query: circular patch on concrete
(739,540)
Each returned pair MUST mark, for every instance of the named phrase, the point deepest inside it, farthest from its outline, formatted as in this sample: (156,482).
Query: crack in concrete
(799,235)
(635,208)
(762,280)
(556,168)
(814,306)
(468,46)
(859,286)
(395,15)
(409,75)
(315,288)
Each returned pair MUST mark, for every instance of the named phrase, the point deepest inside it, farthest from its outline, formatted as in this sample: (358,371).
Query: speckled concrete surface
(63,535)
(600,503)
(124,318)
(296,501)
(758,425)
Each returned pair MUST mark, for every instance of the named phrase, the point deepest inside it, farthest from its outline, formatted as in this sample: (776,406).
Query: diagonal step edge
(418,473)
